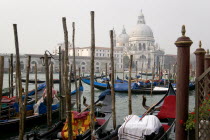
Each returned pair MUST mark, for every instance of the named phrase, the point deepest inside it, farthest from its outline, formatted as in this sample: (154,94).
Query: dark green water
(121,105)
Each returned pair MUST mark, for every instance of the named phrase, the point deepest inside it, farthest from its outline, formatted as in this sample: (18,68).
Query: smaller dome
(123,38)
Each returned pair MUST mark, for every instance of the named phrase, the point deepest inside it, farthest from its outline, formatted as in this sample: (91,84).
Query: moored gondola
(102,113)
(155,124)
(11,123)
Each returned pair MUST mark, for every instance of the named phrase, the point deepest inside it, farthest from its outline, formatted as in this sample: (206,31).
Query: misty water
(121,104)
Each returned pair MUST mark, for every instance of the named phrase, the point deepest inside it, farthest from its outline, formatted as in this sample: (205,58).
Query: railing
(202,106)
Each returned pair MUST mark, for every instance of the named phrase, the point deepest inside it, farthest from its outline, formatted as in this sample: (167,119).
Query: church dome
(123,38)
(141,30)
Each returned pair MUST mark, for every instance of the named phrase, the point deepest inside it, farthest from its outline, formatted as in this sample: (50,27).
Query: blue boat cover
(28,107)
(104,93)
(43,108)
(80,89)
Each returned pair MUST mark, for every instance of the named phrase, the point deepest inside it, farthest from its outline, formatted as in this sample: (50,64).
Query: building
(141,44)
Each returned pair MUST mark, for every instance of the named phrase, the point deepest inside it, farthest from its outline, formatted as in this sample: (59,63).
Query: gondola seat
(168,109)
(166,127)
(100,121)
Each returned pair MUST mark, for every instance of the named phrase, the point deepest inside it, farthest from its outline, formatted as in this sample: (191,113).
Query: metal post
(182,94)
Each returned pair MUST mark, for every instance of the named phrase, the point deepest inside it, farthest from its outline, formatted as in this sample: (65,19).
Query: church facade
(141,44)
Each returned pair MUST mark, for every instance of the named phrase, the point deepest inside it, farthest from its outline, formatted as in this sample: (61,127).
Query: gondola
(8,102)
(156,89)
(118,87)
(103,114)
(12,124)
(163,113)
(5,91)
(55,81)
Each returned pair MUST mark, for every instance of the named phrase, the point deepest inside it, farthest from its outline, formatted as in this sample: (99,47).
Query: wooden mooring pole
(74,61)
(11,66)
(1,77)
(23,112)
(47,89)
(79,95)
(112,79)
(36,91)
(68,104)
(18,81)
(92,74)
(9,78)
(60,87)
(129,87)
(182,94)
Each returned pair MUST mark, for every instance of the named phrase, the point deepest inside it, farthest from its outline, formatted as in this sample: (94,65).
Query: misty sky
(40,22)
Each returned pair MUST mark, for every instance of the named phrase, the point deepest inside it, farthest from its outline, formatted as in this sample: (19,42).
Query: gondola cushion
(168,109)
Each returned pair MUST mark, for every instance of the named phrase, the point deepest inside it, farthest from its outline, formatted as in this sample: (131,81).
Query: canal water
(121,104)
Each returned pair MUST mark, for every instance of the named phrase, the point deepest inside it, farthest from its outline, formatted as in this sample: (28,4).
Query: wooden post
(136,69)
(200,55)
(9,78)
(47,89)
(115,72)
(23,112)
(207,60)
(60,87)
(153,75)
(11,66)
(74,61)
(207,65)
(106,69)
(129,87)
(65,56)
(68,103)
(169,73)
(1,77)
(63,113)
(92,74)
(79,95)
(182,94)
(36,98)
(50,98)
(18,83)
(142,68)
(112,79)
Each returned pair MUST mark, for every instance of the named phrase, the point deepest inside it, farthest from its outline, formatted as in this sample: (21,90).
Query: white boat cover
(134,129)
(161,88)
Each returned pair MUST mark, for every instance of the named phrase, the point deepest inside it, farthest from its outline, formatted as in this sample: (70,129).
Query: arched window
(97,63)
(144,46)
(21,65)
(83,63)
(140,48)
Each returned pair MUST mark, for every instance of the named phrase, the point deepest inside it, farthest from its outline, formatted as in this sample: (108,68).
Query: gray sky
(40,22)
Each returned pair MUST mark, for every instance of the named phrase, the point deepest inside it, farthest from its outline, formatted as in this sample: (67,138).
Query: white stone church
(139,42)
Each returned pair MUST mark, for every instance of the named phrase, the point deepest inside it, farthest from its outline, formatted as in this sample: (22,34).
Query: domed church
(141,44)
